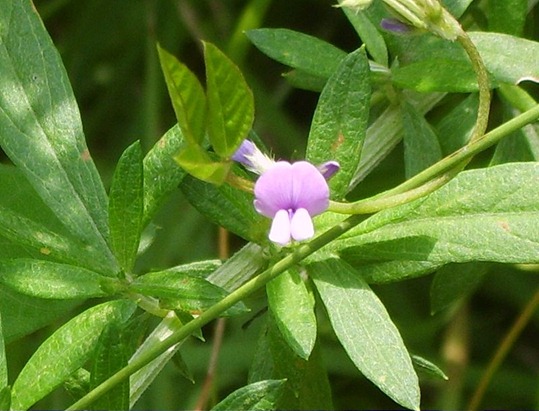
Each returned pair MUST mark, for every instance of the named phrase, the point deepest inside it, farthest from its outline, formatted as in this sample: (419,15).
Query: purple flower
(291,194)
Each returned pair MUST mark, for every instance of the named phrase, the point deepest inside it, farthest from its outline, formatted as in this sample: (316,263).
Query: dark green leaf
(366,331)
(162,175)
(182,291)
(293,309)
(421,146)
(454,282)
(298,50)
(5,399)
(340,120)
(22,315)
(259,396)
(230,102)
(65,351)
(507,16)
(44,279)
(455,129)
(126,206)
(307,386)
(41,131)
(227,207)
(110,355)
(187,96)
(428,367)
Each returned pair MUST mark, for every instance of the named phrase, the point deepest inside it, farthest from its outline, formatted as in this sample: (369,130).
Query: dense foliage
(136,270)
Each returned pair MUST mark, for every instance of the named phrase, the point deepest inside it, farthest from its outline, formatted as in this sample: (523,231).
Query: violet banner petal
(309,188)
(273,189)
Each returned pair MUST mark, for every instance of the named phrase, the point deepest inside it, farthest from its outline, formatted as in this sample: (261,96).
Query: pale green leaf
(366,331)
(197,162)
(187,96)
(65,351)
(230,107)
(259,396)
(293,308)
(3,363)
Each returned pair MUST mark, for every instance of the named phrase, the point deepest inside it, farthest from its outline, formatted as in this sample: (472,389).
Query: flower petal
(309,188)
(301,225)
(273,189)
(328,169)
(280,228)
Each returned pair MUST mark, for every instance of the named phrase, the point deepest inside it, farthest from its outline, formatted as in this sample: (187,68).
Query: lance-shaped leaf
(162,175)
(258,396)
(298,50)
(293,308)
(45,279)
(230,102)
(40,127)
(126,206)
(3,363)
(487,214)
(197,162)
(182,291)
(339,125)
(65,351)
(366,331)
(187,96)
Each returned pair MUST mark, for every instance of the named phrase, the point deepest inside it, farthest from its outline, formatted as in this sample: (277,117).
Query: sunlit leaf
(197,162)
(65,351)
(230,102)
(259,396)
(366,331)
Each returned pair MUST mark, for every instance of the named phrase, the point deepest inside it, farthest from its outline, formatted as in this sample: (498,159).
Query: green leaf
(228,207)
(293,309)
(369,34)
(340,121)
(110,355)
(162,175)
(307,386)
(5,399)
(44,279)
(197,162)
(305,81)
(182,291)
(22,315)
(431,75)
(428,367)
(298,50)
(259,396)
(239,268)
(507,16)
(41,131)
(3,363)
(142,379)
(366,331)
(455,129)
(126,206)
(482,215)
(230,102)
(65,351)
(187,96)
(454,282)
(421,146)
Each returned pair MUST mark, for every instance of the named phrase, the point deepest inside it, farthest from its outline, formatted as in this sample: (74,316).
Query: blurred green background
(108,48)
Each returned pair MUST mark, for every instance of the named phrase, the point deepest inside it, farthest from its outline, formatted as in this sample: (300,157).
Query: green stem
(216,310)
(503,349)
(425,182)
